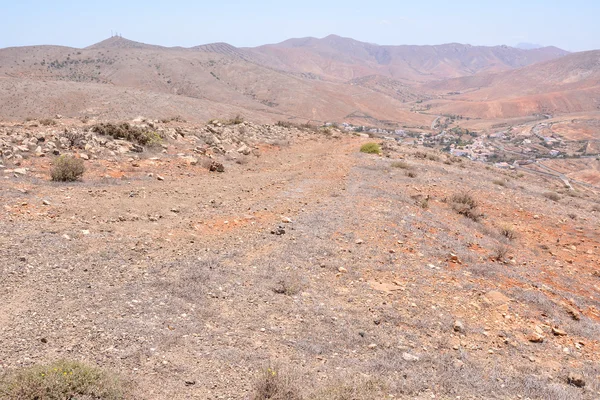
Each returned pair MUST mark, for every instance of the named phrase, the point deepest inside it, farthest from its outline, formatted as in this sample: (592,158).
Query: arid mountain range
(331,79)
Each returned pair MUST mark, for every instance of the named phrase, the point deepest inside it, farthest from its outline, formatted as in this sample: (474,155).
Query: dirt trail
(181,280)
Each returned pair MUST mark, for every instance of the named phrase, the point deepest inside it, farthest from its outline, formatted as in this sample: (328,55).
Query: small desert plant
(238,119)
(500,252)
(126,131)
(273,385)
(499,182)
(424,203)
(47,122)
(466,205)
(67,169)
(61,380)
(401,165)
(370,148)
(508,232)
(289,286)
(411,174)
(552,196)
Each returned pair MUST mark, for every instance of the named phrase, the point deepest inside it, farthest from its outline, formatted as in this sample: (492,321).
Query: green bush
(61,380)
(67,169)
(371,148)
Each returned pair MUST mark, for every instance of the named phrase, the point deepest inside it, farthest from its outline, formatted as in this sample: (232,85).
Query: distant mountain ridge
(302,79)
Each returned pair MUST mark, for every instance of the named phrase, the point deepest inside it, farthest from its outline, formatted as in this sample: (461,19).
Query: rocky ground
(351,275)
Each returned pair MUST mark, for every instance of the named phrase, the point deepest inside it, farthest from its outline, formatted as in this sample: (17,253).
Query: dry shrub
(67,169)
(47,122)
(288,284)
(237,120)
(62,380)
(508,232)
(401,165)
(499,182)
(466,205)
(134,134)
(274,385)
(552,196)
(500,252)
(411,174)
(365,390)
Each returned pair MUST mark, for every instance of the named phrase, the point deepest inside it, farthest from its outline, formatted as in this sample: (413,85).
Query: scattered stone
(20,171)
(286,220)
(576,380)
(278,231)
(535,338)
(454,258)
(342,270)
(46,202)
(359,241)
(459,326)
(190,382)
(372,346)
(574,313)
(558,332)
(216,167)
(160,178)
(409,357)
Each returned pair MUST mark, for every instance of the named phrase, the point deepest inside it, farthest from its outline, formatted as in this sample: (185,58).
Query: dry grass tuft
(508,232)
(47,122)
(62,380)
(274,385)
(401,165)
(552,196)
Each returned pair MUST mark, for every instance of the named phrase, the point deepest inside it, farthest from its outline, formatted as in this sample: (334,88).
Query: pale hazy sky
(572,25)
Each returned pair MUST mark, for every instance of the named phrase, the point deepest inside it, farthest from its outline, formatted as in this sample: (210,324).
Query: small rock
(454,258)
(20,171)
(190,382)
(160,178)
(216,167)
(558,332)
(458,326)
(359,241)
(535,338)
(46,202)
(286,220)
(372,346)
(278,231)
(576,380)
(409,357)
(342,270)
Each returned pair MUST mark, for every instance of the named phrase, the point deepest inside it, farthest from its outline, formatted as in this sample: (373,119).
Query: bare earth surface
(376,289)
